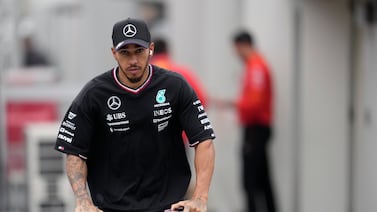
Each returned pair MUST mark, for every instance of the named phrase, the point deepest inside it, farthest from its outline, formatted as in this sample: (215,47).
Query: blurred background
(323,56)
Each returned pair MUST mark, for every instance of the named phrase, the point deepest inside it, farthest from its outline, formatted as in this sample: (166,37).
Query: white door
(365,171)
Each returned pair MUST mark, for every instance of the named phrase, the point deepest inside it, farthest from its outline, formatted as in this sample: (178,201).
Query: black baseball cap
(131,31)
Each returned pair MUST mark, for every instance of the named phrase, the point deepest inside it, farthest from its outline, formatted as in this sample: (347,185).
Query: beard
(135,79)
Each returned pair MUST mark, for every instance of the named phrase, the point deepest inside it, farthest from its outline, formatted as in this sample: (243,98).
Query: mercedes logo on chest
(114,103)
(129,30)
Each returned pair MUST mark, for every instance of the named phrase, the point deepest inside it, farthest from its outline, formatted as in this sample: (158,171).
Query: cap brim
(132,41)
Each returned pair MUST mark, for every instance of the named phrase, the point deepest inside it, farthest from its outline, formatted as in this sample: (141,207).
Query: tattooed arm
(77,172)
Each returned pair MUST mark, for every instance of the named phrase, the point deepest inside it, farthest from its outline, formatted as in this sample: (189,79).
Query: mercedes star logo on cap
(114,103)
(129,30)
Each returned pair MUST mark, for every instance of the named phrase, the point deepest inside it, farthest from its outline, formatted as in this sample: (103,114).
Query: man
(122,134)
(255,114)
(31,55)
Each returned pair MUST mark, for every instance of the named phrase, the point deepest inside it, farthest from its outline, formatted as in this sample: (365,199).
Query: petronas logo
(160,97)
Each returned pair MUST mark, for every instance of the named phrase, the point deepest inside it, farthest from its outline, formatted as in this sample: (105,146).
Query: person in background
(31,55)
(122,134)
(255,111)
(161,57)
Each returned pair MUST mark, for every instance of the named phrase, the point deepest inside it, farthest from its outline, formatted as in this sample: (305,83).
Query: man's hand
(87,208)
(193,205)
(86,205)
(204,165)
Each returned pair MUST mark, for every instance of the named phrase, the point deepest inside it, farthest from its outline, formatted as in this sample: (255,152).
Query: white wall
(77,34)
(325,85)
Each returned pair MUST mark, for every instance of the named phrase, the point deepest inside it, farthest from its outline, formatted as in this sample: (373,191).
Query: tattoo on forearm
(77,173)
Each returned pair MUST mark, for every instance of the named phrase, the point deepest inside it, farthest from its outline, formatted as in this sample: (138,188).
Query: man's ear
(151,48)
(114,52)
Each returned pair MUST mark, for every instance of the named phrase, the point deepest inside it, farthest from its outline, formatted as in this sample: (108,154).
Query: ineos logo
(129,30)
(114,103)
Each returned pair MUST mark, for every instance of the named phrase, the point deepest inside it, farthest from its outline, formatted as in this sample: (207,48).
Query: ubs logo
(114,103)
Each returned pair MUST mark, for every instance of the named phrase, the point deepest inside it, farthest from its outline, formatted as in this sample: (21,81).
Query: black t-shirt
(131,139)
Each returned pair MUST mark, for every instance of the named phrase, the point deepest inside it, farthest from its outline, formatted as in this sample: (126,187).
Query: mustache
(133,67)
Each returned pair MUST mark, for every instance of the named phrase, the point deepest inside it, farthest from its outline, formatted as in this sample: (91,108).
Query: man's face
(241,50)
(133,63)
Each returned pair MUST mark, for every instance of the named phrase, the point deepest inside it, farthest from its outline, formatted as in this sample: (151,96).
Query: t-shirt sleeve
(76,130)
(193,116)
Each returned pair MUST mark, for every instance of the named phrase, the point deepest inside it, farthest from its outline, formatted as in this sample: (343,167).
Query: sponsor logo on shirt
(65,138)
(115,116)
(71,115)
(160,96)
(204,121)
(114,103)
(162,126)
(119,129)
(207,127)
(65,131)
(69,124)
(203,118)
(162,112)
(161,119)
(162,104)
(117,122)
